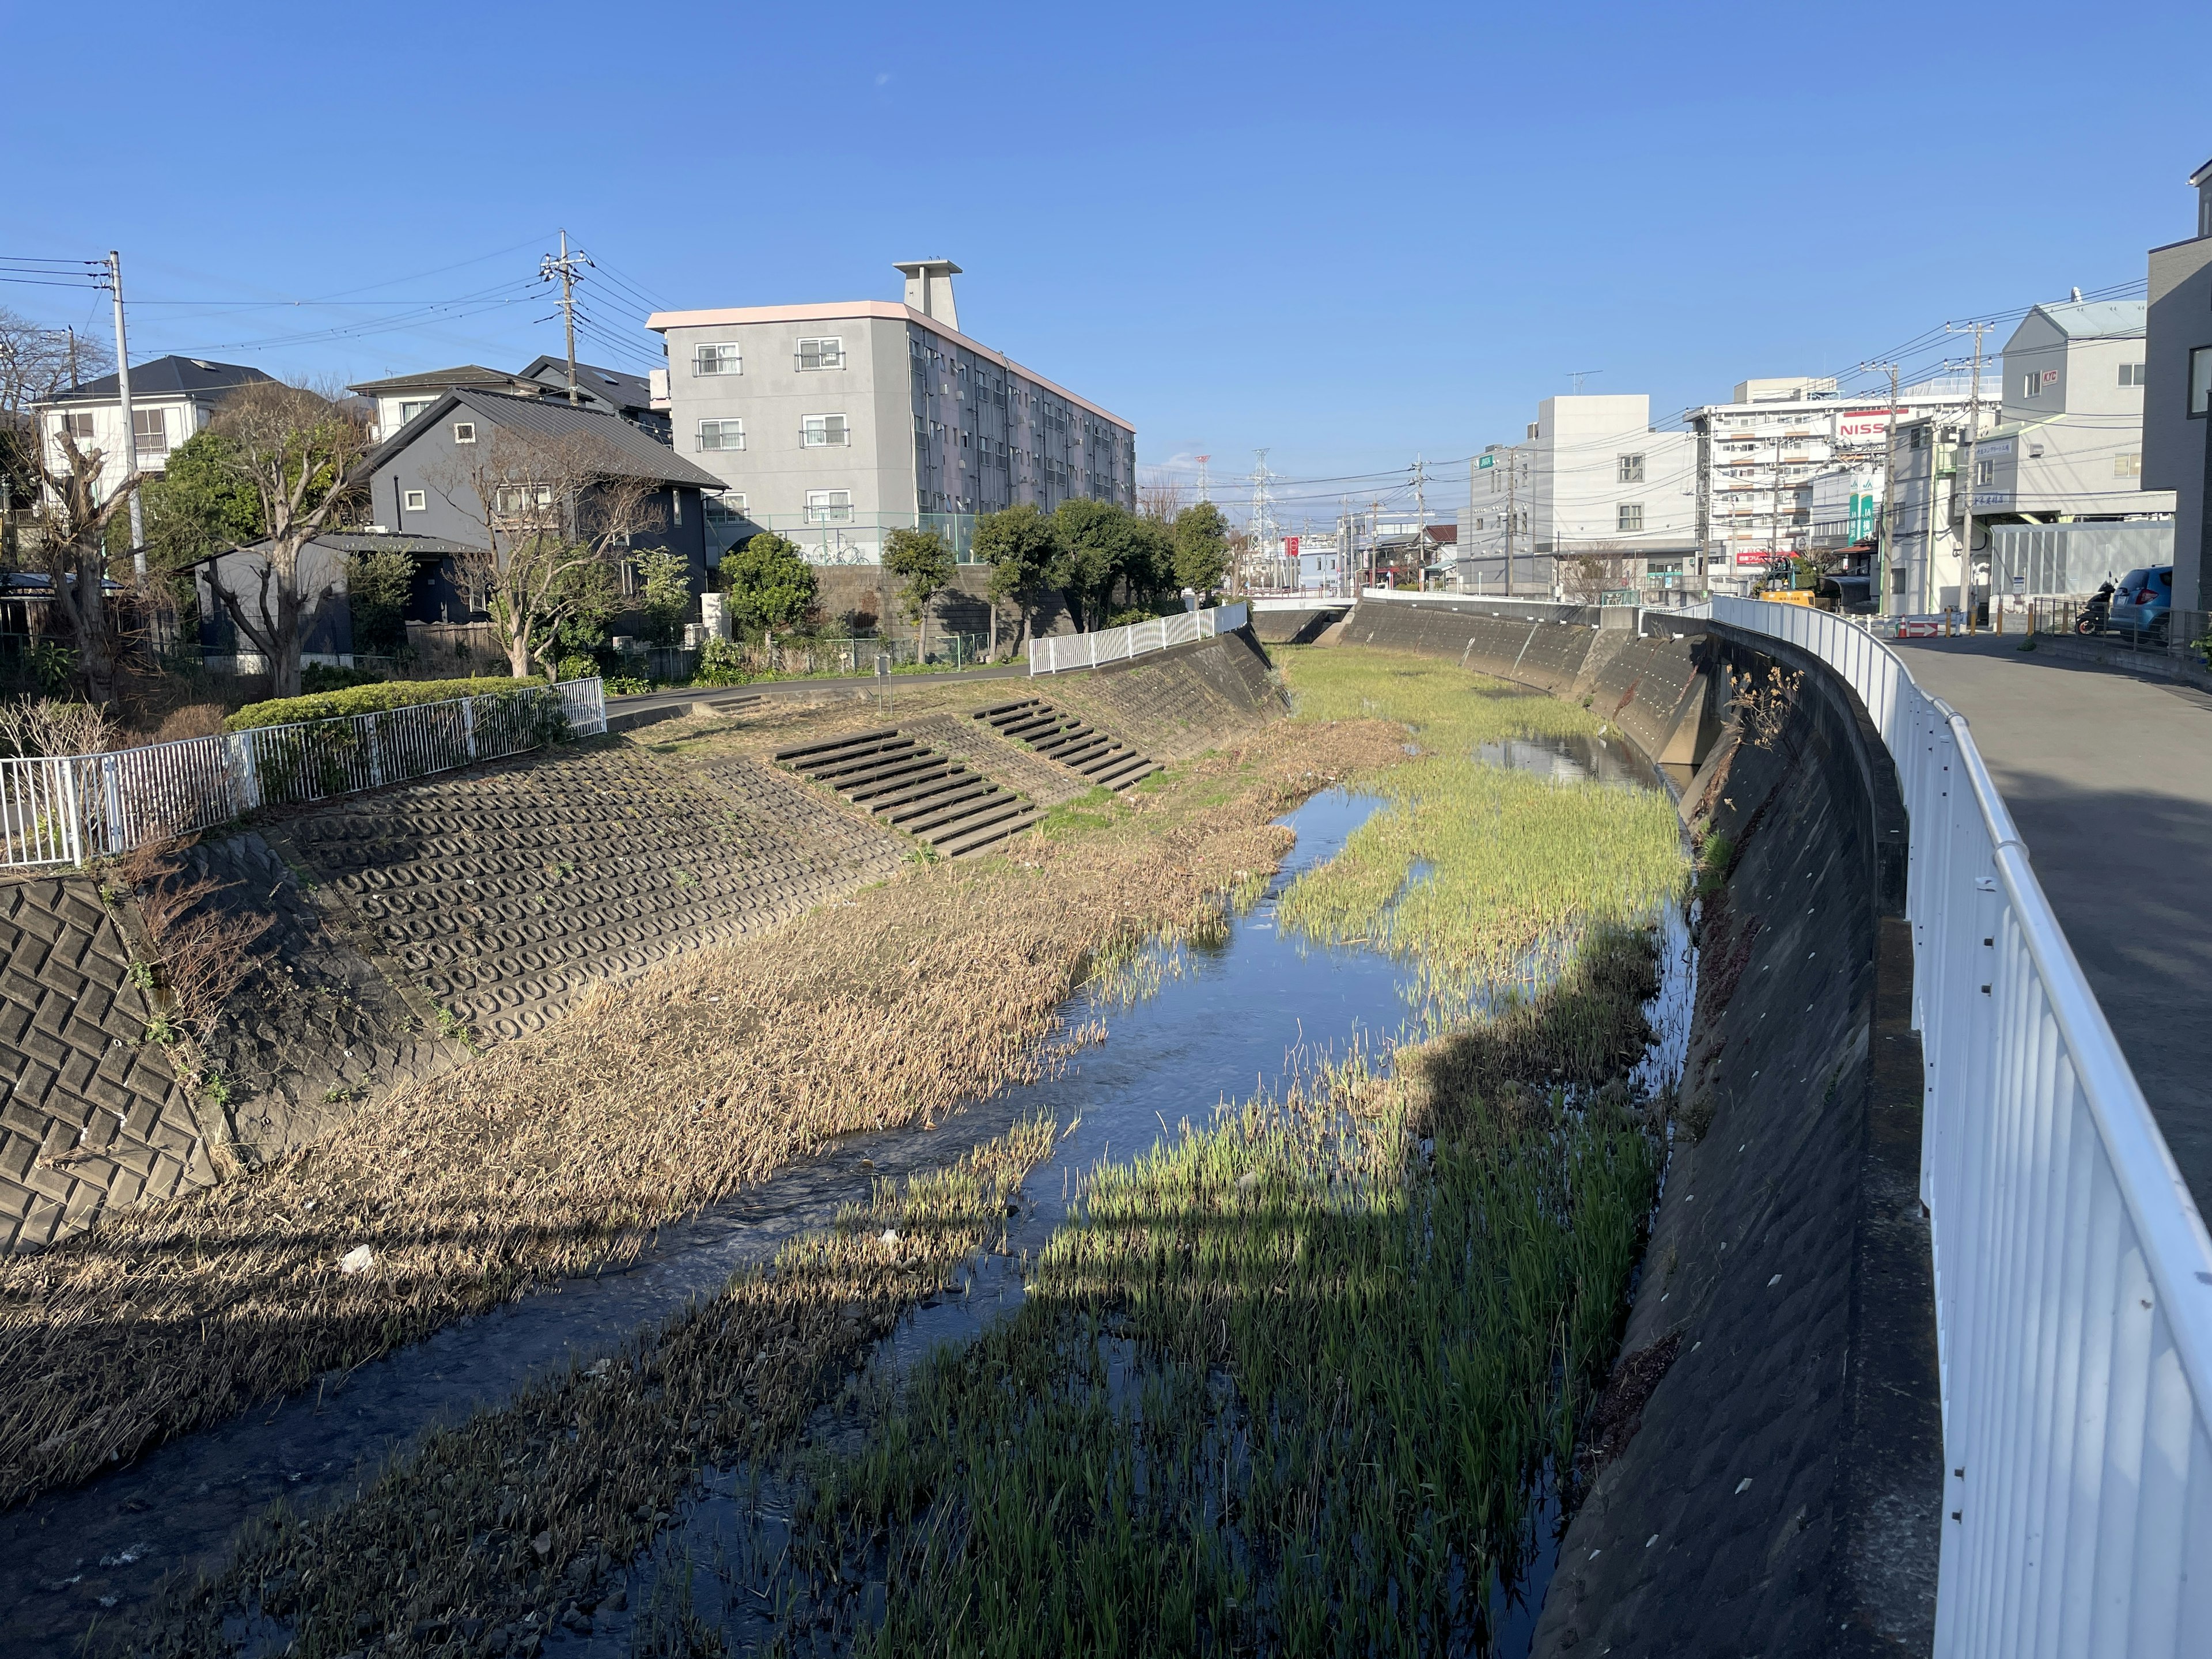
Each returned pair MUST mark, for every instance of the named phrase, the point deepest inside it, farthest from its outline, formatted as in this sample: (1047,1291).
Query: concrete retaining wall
(1176,702)
(1782,1494)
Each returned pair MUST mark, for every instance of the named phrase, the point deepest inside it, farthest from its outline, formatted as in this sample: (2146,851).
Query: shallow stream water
(1234,1017)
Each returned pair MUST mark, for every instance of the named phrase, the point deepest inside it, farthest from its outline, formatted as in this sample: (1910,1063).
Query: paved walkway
(846,685)
(2110,779)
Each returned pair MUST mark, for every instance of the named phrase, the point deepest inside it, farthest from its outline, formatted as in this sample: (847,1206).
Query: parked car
(2143,604)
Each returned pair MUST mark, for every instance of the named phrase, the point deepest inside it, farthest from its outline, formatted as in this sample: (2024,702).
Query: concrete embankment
(402,930)
(1768,1461)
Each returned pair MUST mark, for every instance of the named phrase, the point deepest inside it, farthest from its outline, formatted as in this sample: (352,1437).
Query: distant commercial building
(1759,455)
(171,399)
(2063,445)
(1592,477)
(834,423)
(2177,453)
(400,399)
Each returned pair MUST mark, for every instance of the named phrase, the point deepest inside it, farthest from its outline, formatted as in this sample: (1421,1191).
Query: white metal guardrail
(67,809)
(2073,1271)
(1059,651)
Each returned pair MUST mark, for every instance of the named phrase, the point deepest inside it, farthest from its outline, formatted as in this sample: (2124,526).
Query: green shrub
(720,664)
(579,668)
(319,678)
(363,700)
(626,685)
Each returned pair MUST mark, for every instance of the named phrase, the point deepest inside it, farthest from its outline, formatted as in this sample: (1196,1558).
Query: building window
(824,432)
(822,354)
(1985,473)
(2031,385)
(724,511)
(721,434)
(514,500)
(78,426)
(410,408)
(2131,374)
(828,507)
(2127,466)
(1631,515)
(464,432)
(416,500)
(1631,468)
(2200,378)
(150,427)
(716,359)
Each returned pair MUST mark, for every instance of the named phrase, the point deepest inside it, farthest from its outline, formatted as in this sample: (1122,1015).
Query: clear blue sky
(1348,235)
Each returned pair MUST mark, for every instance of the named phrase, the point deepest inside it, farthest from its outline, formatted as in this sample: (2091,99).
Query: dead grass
(562,1154)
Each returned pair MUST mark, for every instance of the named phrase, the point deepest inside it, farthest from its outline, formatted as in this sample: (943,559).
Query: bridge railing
(64,810)
(1055,653)
(2073,1271)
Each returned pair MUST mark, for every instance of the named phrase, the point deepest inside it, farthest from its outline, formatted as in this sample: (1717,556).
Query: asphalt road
(2110,779)
(854,686)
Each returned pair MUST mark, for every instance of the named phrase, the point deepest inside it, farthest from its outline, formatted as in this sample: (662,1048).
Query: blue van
(2143,604)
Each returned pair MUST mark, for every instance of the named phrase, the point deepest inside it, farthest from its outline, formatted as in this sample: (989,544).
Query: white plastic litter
(358,1259)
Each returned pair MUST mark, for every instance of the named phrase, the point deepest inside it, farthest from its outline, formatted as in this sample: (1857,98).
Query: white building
(1758,455)
(171,399)
(836,423)
(1593,477)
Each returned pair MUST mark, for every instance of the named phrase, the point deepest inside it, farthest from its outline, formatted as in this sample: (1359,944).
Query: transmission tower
(1202,489)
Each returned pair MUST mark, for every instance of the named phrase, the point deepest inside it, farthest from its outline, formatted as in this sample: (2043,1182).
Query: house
(834,424)
(171,399)
(423,482)
(610,391)
(2177,455)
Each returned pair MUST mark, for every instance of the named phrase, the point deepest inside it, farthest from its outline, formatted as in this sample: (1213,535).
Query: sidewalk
(2109,777)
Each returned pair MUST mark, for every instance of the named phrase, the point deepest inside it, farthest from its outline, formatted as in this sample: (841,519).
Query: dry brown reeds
(561,1154)
(200,946)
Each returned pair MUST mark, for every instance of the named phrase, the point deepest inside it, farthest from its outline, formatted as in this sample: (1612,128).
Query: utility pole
(130,425)
(1888,488)
(74,382)
(1421,523)
(1973,440)
(1512,511)
(563,270)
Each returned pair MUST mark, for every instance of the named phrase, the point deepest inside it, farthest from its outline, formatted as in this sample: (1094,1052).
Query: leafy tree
(583,601)
(1021,546)
(377,586)
(1103,546)
(922,561)
(1201,548)
(665,594)
(202,503)
(769,584)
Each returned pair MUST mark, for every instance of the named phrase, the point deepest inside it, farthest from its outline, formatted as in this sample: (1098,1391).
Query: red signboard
(1290,547)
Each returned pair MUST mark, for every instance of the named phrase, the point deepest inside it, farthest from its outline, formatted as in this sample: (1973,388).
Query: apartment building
(836,423)
(2061,443)
(2177,451)
(1758,455)
(1592,477)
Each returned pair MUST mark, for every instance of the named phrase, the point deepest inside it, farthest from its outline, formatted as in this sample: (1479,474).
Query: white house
(171,399)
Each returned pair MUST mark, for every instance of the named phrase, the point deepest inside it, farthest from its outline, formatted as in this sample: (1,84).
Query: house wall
(183,418)
(2174,444)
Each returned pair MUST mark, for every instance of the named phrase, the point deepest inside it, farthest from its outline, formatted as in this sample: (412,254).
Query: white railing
(1058,651)
(2073,1272)
(68,809)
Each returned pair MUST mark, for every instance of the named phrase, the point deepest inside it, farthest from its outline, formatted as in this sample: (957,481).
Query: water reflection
(1606,759)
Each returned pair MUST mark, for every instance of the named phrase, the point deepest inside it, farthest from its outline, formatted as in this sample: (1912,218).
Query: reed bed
(493,1533)
(1487,878)
(561,1154)
(1291,1383)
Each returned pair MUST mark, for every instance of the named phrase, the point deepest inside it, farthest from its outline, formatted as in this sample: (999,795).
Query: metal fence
(2167,633)
(67,809)
(2073,1272)
(1059,651)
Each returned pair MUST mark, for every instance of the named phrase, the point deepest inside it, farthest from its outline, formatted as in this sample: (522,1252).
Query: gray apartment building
(836,423)
(2177,454)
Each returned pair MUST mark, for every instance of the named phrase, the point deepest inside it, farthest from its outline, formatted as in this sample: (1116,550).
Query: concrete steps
(913,788)
(1062,738)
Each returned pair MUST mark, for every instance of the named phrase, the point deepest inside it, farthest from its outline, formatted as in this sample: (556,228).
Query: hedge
(368,699)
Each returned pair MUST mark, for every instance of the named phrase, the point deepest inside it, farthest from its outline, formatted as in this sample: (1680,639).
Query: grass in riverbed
(1484,875)
(1289,1383)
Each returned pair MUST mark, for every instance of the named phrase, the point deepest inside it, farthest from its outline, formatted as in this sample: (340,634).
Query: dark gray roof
(166,377)
(387,540)
(623,451)
(436,379)
(613,385)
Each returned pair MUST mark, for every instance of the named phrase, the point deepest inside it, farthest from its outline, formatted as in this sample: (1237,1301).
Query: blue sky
(1350,235)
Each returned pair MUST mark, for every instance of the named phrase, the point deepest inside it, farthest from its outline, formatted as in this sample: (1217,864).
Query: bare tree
(1587,578)
(296,452)
(72,553)
(1161,500)
(557,518)
(38,362)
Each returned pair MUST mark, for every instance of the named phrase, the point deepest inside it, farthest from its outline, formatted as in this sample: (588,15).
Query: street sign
(1484,460)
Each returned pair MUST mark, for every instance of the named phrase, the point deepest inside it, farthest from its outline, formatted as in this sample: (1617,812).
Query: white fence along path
(2073,1271)
(66,808)
(1058,651)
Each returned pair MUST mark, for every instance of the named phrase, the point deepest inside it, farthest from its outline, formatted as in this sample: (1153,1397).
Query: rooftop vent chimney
(2077,296)
(929,288)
